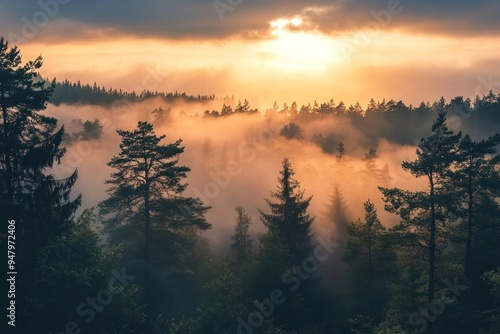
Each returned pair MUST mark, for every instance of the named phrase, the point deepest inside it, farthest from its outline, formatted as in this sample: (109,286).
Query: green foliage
(74,267)
(361,324)
(148,175)
(425,213)
(224,299)
(493,314)
(271,261)
(477,179)
(146,191)
(371,261)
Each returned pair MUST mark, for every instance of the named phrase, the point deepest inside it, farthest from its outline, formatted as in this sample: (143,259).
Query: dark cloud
(198,19)
(458,18)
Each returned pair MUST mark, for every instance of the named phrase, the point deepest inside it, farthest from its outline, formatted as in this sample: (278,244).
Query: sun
(299,51)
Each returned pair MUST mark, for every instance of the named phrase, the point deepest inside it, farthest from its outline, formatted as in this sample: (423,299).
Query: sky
(266,50)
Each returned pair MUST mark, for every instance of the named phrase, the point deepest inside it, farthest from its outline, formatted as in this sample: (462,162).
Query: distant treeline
(391,120)
(77,93)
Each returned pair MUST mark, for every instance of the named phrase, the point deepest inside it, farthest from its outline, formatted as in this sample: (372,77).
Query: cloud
(198,19)
(456,18)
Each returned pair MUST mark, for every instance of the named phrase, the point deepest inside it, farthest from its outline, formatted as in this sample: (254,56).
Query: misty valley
(152,212)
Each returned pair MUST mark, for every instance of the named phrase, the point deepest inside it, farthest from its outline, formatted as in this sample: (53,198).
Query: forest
(376,220)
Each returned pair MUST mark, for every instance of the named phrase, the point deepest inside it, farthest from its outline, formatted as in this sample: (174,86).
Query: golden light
(299,51)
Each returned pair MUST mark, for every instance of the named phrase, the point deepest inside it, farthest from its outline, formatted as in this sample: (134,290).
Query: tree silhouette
(288,217)
(369,253)
(424,212)
(242,244)
(476,175)
(292,131)
(148,183)
(341,152)
(30,146)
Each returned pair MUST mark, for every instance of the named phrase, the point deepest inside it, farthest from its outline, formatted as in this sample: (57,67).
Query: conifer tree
(341,152)
(368,253)
(288,217)
(148,184)
(477,176)
(337,216)
(424,212)
(40,205)
(242,244)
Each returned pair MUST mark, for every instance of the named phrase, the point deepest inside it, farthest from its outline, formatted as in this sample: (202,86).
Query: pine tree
(242,107)
(289,218)
(476,175)
(30,146)
(242,244)
(372,170)
(341,152)
(147,183)
(336,220)
(493,314)
(71,267)
(370,162)
(423,213)
(337,216)
(226,110)
(369,254)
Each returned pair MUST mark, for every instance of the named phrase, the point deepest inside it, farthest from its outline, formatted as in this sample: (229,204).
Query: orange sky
(291,58)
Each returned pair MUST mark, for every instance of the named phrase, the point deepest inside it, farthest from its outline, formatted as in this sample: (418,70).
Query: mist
(235,161)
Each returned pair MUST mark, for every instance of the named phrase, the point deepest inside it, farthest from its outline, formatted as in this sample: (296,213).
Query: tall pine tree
(424,212)
(30,146)
(370,258)
(288,217)
(242,244)
(477,176)
(147,187)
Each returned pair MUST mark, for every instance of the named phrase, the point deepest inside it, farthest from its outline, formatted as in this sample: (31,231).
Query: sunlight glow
(300,51)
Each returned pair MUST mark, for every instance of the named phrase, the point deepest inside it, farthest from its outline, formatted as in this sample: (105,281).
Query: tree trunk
(469,229)
(432,255)
(147,251)
(370,276)
(7,156)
